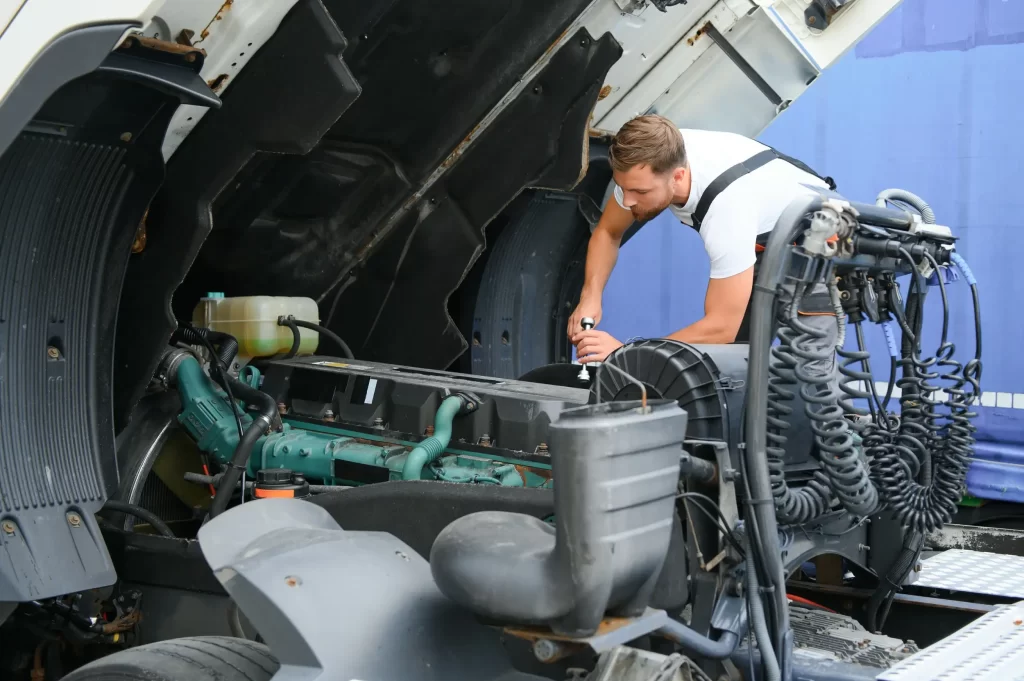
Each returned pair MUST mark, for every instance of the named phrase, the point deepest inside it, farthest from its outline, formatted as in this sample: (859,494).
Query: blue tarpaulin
(930,101)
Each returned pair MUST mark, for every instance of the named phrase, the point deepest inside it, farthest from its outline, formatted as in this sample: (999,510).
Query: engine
(348,423)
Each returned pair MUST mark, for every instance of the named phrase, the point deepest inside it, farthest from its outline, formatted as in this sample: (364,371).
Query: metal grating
(989,649)
(977,572)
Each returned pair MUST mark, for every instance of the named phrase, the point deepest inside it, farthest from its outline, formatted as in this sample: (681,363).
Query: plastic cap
(274,476)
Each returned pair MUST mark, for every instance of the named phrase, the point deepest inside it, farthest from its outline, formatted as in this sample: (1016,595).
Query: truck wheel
(203,658)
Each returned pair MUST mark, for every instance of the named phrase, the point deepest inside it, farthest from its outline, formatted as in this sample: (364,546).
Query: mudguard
(344,605)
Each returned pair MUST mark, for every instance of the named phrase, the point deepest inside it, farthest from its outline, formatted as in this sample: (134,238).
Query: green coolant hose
(433,447)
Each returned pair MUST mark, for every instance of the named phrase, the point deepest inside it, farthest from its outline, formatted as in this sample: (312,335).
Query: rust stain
(139,244)
(205,33)
(605,91)
(608,625)
(186,51)
(696,36)
(217,83)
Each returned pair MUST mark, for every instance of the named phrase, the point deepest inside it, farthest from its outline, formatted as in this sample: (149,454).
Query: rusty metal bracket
(166,66)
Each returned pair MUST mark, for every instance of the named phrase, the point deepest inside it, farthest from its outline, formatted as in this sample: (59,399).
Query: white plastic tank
(253,321)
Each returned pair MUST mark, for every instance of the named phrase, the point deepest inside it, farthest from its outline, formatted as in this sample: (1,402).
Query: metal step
(976,572)
(989,649)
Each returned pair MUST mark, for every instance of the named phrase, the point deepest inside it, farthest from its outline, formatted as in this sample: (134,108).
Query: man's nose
(628,202)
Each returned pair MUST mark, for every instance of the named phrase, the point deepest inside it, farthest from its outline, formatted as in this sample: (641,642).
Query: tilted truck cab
(421,178)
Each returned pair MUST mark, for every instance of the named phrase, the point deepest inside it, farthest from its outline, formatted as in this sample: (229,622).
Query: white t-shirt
(748,207)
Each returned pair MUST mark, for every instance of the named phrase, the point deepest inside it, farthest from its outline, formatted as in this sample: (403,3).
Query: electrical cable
(720,522)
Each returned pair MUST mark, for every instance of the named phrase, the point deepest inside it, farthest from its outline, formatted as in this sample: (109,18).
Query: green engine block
(333,455)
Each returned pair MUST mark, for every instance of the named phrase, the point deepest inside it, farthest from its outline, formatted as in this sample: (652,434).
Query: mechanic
(729,188)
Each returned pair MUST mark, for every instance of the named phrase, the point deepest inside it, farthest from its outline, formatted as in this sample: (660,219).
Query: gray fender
(344,605)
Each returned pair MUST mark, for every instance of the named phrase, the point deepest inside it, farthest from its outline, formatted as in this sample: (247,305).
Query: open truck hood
(349,152)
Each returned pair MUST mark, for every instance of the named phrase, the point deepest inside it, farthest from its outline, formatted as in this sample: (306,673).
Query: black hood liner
(308,177)
(429,74)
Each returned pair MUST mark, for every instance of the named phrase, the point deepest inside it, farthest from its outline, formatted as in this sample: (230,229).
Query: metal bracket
(743,65)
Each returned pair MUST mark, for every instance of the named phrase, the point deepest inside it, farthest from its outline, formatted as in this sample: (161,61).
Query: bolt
(378,422)
(485,440)
(1018,622)
(126,137)
(285,449)
(305,451)
(292,581)
(190,57)
(282,408)
(53,352)
(74,519)
(8,527)
(542,448)
(545,650)
(329,415)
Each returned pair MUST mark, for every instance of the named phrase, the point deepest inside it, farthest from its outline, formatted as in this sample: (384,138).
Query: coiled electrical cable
(791,505)
(847,473)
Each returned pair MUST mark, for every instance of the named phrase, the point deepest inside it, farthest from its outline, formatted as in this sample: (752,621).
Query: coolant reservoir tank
(253,321)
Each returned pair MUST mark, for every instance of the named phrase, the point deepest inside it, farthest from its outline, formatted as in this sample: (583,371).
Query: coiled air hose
(811,501)
(847,473)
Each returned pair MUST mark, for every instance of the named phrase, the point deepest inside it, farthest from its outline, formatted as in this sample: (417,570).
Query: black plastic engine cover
(510,415)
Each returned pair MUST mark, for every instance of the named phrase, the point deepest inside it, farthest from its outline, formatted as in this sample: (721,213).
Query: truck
(272,406)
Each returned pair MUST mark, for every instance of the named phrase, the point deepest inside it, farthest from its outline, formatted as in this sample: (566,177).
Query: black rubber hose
(786,231)
(239,460)
(140,513)
(296,336)
(346,351)
(226,344)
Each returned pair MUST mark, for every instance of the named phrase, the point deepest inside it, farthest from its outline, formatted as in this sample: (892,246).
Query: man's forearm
(708,331)
(602,252)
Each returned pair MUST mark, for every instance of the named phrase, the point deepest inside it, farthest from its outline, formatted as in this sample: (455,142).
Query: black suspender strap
(719,184)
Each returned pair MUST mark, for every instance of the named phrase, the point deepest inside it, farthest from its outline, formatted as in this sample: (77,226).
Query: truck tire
(528,288)
(202,658)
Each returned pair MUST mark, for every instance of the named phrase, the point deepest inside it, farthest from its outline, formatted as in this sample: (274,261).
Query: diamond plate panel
(989,649)
(974,572)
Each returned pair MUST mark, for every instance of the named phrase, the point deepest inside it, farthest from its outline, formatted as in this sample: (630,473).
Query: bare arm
(724,307)
(602,253)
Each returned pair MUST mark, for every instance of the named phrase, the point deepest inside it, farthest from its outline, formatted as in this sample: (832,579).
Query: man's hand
(594,345)
(588,307)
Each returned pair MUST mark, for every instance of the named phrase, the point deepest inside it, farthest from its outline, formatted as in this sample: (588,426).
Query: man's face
(646,193)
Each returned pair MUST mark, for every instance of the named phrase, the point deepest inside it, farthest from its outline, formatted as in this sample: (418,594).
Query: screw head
(8,527)
(52,352)
(292,581)
(74,519)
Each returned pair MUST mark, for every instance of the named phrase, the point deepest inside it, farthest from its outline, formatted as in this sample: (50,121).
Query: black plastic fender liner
(278,109)
(74,187)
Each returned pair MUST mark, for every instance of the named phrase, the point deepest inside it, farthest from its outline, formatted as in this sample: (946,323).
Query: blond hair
(650,140)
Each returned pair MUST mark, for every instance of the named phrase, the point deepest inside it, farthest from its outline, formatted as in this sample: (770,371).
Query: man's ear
(679,175)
